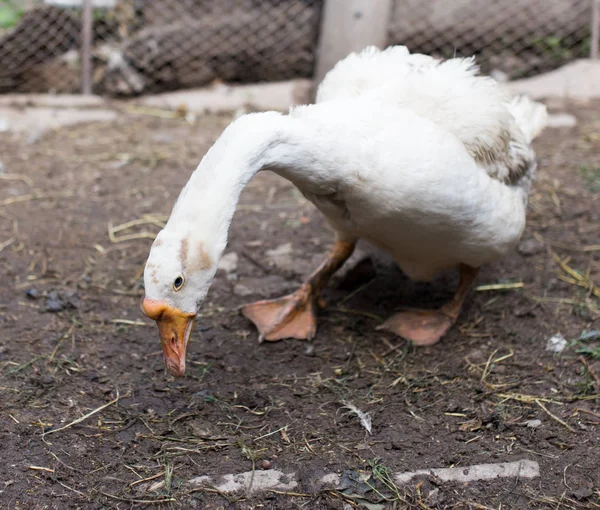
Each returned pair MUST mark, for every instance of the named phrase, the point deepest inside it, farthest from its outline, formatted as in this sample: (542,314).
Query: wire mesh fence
(145,46)
(141,46)
(511,38)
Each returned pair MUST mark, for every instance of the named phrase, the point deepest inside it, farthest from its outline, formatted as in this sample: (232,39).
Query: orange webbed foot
(291,316)
(421,327)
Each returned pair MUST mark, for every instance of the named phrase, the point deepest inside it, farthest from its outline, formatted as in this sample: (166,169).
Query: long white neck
(207,203)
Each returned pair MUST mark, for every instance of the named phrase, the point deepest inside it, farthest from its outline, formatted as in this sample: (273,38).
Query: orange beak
(174,329)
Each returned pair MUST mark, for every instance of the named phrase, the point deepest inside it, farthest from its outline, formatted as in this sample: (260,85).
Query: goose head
(177,276)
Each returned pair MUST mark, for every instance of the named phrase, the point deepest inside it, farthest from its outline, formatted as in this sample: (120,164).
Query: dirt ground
(74,340)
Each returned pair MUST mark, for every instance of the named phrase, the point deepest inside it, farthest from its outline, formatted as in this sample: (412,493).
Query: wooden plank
(86,47)
(348,26)
(595,35)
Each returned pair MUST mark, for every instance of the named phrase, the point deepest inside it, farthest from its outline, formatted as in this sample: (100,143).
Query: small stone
(241,290)
(583,493)
(228,262)
(265,464)
(34,136)
(54,303)
(281,257)
(433,498)
(72,299)
(524,312)
(561,120)
(46,380)
(453,407)
(556,343)
(530,247)
(162,138)
(32,293)
(534,424)
(201,430)
(477,356)
(310,350)
(264,286)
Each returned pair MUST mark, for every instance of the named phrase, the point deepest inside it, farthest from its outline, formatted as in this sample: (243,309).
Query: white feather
(425,159)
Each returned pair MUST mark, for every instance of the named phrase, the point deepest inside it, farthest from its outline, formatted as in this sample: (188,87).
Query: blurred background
(136,47)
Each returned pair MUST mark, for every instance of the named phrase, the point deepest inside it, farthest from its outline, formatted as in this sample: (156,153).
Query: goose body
(424,159)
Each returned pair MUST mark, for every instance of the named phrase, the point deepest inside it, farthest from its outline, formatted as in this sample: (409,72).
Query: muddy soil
(78,209)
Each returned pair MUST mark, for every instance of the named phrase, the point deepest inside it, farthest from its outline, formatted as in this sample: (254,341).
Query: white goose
(424,159)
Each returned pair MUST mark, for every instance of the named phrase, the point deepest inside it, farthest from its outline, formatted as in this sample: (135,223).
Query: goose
(427,160)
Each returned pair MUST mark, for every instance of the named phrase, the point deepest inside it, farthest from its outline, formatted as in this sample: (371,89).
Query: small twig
(568,247)
(29,283)
(60,341)
(63,463)
(84,417)
(118,291)
(554,417)
(131,237)
(128,322)
(39,468)
(25,365)
(33,196)
(593,288)
(294,494)
(579,409)
(565,477)
(576,277)
(7,243)
(71,489)
(566,301)
(500,286)
(358,312)
(146,220)
(153,477)
(265,269)
(141,501)
(528,399)
(16,177)
(272,433)
(487,366)
(356,291)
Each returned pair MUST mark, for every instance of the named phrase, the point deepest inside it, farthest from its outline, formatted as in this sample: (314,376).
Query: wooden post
(350,25)
(595,32)
(86,47)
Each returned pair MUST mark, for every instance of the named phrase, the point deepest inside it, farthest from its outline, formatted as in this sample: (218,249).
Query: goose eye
(178,283)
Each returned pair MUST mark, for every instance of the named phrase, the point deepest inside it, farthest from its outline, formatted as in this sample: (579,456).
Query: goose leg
(293,316)
(427,327)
